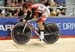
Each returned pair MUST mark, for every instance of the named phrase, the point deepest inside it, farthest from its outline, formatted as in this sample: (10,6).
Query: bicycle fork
(24,28)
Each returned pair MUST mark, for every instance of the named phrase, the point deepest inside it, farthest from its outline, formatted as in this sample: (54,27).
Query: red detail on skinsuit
(42,18)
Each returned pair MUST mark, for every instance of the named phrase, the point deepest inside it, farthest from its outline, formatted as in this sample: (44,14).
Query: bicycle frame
(30,27)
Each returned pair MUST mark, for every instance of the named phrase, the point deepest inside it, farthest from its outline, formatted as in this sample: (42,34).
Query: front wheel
(53,33)
(17,35)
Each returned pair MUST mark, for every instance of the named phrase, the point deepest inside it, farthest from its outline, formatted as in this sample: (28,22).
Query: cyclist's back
(40,8)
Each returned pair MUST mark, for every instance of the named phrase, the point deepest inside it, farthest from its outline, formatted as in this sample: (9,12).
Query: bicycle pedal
(40,39)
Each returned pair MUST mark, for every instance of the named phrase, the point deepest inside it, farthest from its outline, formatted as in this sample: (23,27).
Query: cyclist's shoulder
(37,5)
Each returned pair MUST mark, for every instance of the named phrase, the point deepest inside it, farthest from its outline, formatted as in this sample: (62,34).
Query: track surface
(34,45)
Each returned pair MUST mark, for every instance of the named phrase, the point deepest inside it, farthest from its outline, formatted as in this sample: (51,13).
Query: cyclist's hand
(23,20)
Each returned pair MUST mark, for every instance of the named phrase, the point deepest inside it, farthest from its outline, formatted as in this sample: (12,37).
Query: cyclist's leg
(41,27)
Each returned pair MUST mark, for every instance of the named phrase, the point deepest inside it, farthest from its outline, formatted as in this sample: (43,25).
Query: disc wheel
(53,33)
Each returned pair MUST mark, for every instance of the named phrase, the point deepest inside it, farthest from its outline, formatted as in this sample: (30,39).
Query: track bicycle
(22,32)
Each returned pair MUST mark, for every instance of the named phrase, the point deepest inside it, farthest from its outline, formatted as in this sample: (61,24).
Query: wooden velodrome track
(34,45)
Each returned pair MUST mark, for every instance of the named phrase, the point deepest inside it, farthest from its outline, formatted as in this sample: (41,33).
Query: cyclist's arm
(28,17)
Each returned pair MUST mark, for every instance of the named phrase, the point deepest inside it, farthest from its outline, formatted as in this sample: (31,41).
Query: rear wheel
(17,35)
(52,32)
